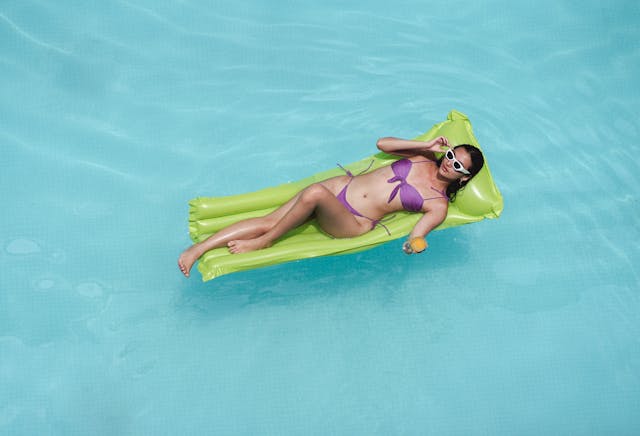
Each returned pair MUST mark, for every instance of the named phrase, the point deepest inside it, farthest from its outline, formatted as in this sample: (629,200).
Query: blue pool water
(114,114)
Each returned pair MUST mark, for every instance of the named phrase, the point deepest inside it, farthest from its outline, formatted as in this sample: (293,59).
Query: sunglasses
(456,163)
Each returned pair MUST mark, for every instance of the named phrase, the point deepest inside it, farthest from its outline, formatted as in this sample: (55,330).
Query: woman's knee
(314,193)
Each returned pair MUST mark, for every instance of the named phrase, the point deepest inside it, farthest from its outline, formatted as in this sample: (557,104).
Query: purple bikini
(410,198)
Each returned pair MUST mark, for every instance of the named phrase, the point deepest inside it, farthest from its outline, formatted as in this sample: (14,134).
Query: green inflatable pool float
(478,200)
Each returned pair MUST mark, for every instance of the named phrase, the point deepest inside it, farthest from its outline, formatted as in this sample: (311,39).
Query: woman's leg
(245,229)
(316,200)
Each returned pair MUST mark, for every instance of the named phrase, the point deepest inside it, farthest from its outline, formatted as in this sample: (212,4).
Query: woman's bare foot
(246,245)
(187,259)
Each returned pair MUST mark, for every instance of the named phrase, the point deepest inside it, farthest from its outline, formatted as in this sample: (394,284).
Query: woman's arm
(432,218)
(406,147)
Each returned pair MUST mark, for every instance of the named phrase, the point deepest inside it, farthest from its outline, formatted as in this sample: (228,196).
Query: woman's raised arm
(407,147)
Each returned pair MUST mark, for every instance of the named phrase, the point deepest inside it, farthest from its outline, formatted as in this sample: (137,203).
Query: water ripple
(32,38)
(161,19)
(23,246)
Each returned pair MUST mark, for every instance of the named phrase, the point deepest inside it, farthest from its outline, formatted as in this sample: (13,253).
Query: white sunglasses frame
(453,159)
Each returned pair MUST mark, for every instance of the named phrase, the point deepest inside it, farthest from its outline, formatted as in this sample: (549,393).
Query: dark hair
(477,161)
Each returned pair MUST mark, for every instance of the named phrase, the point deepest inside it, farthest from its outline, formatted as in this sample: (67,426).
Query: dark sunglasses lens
(450,154)
(457,165)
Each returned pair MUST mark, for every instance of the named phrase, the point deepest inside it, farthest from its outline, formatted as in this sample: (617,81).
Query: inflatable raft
(480,199)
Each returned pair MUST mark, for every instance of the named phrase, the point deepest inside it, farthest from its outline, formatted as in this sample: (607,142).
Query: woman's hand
(436,145)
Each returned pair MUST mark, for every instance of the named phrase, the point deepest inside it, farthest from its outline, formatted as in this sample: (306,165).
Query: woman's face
(446,167)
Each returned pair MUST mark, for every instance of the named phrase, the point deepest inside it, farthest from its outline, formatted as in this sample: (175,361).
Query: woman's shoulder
(436,206)
(417,158)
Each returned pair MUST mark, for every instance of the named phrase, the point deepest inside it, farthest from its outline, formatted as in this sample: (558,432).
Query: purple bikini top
(409,196)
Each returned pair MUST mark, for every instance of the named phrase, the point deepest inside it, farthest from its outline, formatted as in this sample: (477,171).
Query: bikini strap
(350,174)
(442,193)
(382,221)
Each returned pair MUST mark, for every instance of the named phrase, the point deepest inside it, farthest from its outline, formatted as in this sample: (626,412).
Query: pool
(114,114)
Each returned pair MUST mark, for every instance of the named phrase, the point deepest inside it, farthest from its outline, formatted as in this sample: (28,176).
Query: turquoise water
(114,114)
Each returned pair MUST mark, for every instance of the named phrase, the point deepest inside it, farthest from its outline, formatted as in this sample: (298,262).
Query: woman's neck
(438,181)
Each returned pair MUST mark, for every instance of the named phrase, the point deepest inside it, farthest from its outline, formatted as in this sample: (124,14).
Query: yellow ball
(418,244)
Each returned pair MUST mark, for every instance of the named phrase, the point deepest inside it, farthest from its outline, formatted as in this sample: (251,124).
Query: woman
(350,205)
